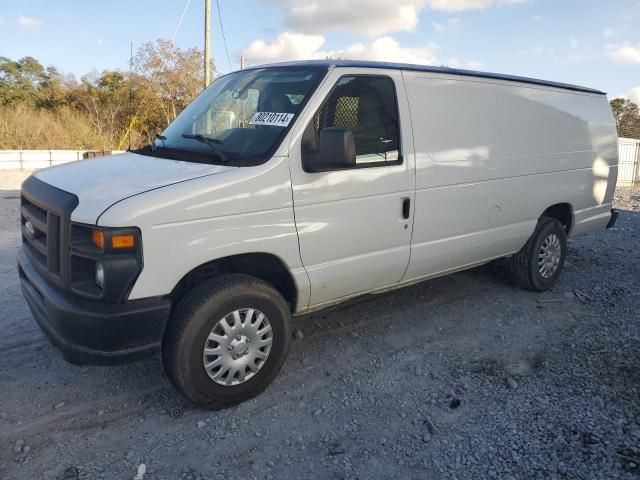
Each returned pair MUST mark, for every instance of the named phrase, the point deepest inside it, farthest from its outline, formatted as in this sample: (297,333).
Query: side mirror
(337,151)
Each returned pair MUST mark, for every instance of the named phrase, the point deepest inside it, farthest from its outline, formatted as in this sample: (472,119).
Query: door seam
(415,179)
(295,224)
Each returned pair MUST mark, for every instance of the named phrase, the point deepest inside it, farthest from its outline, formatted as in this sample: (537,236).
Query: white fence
(628,161)
(35,159)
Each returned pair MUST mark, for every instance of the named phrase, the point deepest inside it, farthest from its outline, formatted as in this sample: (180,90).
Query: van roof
(430,69)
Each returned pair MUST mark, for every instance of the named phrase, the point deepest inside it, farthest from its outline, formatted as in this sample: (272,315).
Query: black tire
(193,320)
(524,264)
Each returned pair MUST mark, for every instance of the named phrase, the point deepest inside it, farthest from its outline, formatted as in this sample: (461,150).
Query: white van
(287,188)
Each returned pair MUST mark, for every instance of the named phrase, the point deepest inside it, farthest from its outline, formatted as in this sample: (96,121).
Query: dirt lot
(462,377)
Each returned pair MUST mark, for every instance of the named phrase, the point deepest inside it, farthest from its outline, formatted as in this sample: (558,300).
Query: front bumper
(90,331)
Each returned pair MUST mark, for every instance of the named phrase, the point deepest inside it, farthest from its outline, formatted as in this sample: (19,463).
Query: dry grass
(24,128)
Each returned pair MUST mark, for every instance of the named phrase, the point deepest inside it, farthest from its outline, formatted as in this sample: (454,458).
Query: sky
(595,43)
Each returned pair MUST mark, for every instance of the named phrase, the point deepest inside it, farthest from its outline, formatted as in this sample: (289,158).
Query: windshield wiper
(211,142)
(201,138)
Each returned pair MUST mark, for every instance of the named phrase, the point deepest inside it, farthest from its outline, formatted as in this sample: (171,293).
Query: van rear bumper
(614,216)
(89,332)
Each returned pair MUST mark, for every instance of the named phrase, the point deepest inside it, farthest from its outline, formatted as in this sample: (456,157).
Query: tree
(105,99)
(27,82)
(627,116)
(165,81)
(40,108)
(52,92)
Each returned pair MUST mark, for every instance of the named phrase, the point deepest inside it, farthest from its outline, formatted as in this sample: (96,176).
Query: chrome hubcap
(237,346)
(549,256)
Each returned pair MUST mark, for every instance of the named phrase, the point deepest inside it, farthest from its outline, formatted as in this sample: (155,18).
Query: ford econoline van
(291,187)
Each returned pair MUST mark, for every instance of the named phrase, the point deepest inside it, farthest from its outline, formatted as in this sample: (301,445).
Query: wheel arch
(563,212)
(265,266)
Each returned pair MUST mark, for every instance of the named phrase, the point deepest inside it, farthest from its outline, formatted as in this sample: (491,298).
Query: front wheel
(227,340)
(538,264)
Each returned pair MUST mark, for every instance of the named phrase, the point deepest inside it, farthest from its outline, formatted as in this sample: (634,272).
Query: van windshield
(241,117)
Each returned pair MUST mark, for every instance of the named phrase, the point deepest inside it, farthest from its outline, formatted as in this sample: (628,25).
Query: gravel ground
(463,377)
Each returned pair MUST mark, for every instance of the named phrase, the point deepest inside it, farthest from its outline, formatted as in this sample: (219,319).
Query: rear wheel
(227,340)
(538,264)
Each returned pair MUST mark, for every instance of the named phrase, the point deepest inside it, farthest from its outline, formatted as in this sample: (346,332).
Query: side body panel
(353,237)
(241,210)
(491,156)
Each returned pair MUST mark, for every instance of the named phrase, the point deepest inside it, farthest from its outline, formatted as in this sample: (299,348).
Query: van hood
(100,182)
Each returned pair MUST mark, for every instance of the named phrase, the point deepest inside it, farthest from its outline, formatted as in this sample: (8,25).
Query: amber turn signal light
(118,242)
(122,241)
(97,237)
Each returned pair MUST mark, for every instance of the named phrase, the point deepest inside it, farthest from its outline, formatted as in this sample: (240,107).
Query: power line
(180,21)
(207,43)
(224,38)
(127,133)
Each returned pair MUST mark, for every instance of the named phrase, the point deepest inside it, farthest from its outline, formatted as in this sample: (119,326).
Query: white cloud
(369,17)
(461,5)
(633,95)
(29,22)
(366,17)
(296,46)
(537,18)
(609,33)
(287,46)
(454,62)
(625,52)
(388,49)
(450,24)
(99,40)
(574,42)
(1,21)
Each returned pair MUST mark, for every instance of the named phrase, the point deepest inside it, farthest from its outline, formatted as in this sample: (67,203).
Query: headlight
(104,261)
(100,274)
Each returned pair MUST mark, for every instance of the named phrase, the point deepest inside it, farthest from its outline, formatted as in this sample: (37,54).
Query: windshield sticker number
(271,118)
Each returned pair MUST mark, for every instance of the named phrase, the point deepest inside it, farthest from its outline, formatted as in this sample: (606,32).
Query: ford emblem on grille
(28,226)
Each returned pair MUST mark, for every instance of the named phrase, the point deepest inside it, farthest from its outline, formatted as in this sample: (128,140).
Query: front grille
(41,235)
(45,213)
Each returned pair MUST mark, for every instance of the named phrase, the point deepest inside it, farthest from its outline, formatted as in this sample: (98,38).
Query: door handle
(406,208)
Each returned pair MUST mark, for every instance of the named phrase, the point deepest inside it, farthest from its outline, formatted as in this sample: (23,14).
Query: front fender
(243,210)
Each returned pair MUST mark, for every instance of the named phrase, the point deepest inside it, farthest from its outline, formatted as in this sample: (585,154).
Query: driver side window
(367,106)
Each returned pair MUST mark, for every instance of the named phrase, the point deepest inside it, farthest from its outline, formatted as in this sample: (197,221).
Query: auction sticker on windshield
(271,118)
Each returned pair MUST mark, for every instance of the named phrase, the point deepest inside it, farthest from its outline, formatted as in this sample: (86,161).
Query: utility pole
(207,43)
(130,89)
(241,62)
